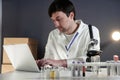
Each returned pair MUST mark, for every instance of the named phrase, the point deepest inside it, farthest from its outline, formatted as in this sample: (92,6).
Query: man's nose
(56,23)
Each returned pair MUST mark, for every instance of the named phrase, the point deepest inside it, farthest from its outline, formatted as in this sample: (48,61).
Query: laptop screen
(21,57)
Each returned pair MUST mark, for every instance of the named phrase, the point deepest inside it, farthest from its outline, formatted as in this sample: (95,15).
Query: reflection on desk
(64,75)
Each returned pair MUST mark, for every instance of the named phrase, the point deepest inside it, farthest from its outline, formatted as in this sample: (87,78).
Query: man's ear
(71,15)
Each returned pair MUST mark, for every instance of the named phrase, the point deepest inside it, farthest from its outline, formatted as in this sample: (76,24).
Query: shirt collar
(80,22)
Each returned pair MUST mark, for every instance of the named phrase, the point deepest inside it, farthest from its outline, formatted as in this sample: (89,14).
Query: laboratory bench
(63,75)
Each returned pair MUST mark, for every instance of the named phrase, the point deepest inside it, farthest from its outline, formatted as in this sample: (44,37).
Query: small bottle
(54,73)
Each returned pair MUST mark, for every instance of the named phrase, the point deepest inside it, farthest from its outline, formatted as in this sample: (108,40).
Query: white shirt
(71,47)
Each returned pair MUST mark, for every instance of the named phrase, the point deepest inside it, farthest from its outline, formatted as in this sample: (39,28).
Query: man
(70,41)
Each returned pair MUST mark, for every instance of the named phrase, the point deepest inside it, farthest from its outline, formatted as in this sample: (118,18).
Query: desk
(21,75)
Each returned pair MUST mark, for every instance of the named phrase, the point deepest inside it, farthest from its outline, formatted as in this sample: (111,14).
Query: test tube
(73,69)
(83,70)
(78,68)
(116,59)
(118,68)
(108,68)
(95,68)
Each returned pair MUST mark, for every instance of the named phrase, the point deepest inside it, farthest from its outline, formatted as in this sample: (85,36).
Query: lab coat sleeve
(49,48)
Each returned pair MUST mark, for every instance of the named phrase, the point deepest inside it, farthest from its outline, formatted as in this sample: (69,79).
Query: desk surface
(21,75)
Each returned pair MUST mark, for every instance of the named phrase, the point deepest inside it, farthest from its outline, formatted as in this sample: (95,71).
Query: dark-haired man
(70,40)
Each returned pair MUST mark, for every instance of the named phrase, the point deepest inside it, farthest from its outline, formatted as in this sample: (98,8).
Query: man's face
(62,21)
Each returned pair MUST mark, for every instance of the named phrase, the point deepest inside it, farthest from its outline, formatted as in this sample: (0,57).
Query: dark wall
(29,18)
(10,17)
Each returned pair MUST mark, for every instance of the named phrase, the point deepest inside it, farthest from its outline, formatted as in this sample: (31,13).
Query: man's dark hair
(65,6)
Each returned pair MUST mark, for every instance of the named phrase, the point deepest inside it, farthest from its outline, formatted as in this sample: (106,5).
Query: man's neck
(73,29)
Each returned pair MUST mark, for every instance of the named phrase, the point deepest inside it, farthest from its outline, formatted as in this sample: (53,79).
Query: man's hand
(51,62)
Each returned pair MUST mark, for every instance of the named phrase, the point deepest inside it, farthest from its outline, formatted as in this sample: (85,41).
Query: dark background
(29,18)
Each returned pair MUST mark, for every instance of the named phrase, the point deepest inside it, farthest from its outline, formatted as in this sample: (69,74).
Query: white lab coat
(76,44)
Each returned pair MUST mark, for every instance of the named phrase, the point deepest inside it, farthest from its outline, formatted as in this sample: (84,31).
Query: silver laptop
(21,57)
